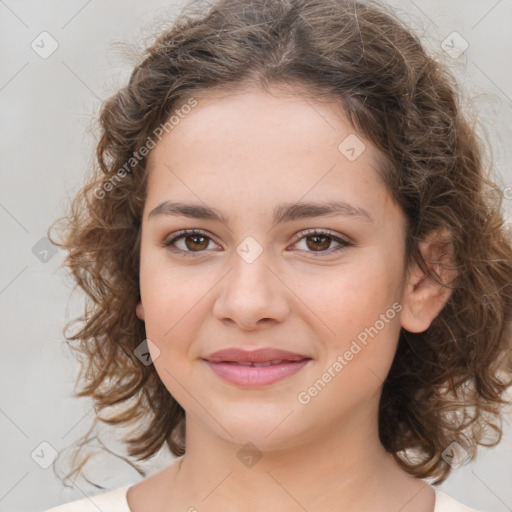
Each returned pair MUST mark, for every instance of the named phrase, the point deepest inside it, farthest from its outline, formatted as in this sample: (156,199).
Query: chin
(266,428)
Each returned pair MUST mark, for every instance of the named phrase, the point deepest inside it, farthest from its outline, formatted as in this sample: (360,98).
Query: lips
(263,355)
(255,368)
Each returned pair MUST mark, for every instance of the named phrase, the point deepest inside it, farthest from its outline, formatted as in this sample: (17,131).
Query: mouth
(258,365)
(255,368)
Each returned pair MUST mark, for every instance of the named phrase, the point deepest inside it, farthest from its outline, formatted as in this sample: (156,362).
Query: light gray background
(47,108)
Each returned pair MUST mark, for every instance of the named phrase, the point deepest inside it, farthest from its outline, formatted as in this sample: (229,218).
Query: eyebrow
(285,212)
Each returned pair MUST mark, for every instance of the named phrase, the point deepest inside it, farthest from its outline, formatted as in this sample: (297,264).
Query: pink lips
(255,368)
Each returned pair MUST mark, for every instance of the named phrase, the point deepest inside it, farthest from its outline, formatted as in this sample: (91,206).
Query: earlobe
(424,297)
(139,311)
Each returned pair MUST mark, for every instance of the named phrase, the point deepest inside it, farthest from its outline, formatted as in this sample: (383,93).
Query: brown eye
(318,241)
(188,242)
(197,242)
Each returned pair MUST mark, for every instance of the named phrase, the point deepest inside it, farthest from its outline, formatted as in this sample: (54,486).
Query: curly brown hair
(445,384)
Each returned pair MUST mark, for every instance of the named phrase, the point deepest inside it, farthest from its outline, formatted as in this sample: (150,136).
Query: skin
(244,154)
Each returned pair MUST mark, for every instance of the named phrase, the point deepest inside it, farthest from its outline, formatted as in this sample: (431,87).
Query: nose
(252,295)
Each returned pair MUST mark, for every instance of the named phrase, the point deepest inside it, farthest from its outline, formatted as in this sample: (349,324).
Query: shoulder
(111,501)
(445,503)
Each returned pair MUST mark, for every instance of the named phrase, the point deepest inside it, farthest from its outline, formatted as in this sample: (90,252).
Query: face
(268,273)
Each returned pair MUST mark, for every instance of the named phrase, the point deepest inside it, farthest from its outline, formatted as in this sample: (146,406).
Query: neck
(342,468)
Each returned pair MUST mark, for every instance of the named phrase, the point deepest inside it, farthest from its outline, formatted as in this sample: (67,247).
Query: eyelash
(310,232)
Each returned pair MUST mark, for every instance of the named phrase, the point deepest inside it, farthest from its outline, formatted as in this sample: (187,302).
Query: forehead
(277,147)
(260,112)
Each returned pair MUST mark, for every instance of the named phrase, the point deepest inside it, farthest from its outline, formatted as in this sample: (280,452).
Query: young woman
(299,277)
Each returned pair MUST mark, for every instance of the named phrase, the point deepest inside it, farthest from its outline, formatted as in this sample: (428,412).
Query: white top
(115,501)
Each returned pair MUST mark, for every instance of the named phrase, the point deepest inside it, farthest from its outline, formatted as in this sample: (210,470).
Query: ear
(423,297)
(139,311)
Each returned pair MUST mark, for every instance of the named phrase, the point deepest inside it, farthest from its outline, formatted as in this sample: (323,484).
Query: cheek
(351,297)
(356,311)
(169,296)
(171,318)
